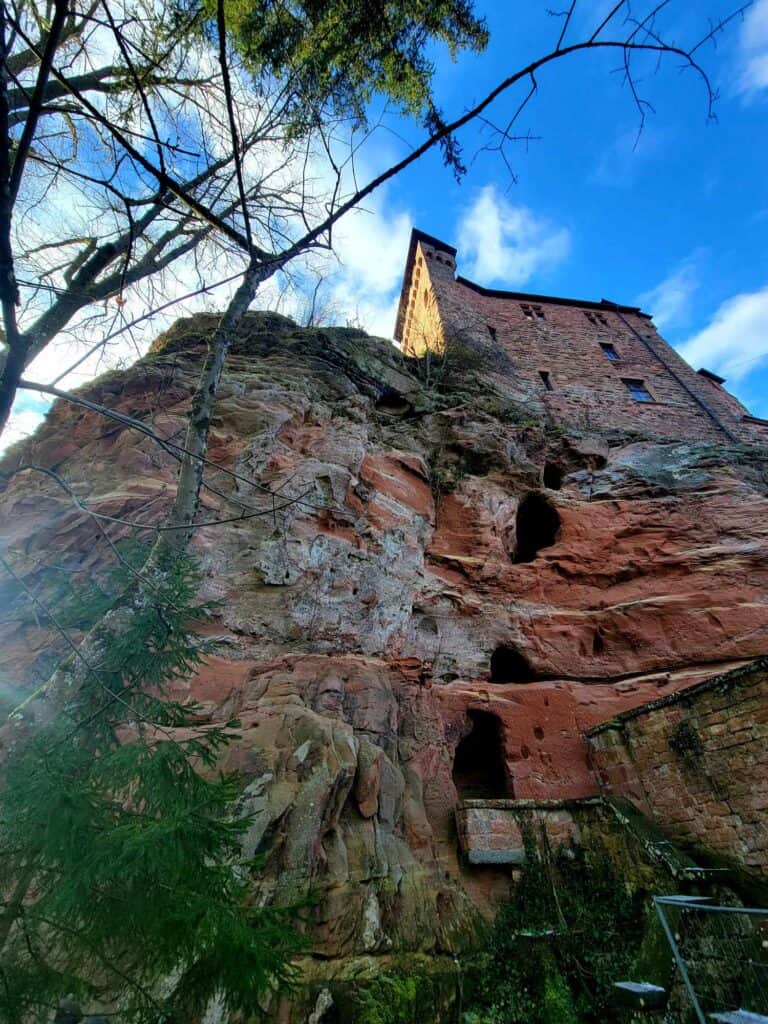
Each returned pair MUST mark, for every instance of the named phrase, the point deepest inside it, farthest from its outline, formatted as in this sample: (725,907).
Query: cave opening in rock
(536,526)
(509,666)
(479,772)
(552,476)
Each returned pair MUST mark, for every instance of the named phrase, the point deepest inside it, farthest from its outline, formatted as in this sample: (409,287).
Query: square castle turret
(597,366)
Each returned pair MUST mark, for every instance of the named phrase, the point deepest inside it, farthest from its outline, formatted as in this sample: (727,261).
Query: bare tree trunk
(9,291)
(185,506)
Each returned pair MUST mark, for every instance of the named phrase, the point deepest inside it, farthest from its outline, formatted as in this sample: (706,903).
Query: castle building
(598,366)
(672,443)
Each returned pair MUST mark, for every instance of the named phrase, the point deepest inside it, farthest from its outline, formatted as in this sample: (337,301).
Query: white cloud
(753,43)
(502,242)
(735,342)
(669,302)
(620,163)
(359,283)
(20,424)
(371,245)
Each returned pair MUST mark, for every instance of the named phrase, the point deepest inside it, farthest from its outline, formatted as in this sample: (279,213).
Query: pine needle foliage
(334,57)
(120,863)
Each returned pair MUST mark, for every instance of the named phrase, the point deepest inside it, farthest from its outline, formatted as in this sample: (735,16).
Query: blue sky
(676,220)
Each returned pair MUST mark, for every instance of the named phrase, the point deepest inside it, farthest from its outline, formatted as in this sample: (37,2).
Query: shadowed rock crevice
(479,771)
(536,527)
(392,403)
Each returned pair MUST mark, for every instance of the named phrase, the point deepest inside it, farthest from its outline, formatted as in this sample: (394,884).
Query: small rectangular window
(532,312)
(546,380)
(609,351)
(639,391)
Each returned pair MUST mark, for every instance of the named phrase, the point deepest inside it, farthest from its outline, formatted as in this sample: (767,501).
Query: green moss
(403,997)
(578,920)
(444,480)
(502,409)
(558,1005)
(391,999)
(653,962)
(686,742)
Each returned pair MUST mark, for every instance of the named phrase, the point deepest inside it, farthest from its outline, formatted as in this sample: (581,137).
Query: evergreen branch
(91,670)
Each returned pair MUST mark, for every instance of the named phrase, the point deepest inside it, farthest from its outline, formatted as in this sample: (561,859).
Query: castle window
(609,351)
(596,319)
(639,391)
(531,312)
(546,380)
(493,332)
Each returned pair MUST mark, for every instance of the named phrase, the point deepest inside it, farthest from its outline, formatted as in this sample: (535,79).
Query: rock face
(395,559)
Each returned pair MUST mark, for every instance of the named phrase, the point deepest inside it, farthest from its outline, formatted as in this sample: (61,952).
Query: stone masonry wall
(697,763)
(526,336)
(493,831)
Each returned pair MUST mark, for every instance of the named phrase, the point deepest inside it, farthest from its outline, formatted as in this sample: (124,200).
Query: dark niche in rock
(552,477)
(536,527)
(479,772)
(392,403)
(509,666)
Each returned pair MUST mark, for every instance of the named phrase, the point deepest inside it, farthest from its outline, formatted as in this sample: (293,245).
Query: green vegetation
(686,742)
(338,54)
(571,929)
(394,999)
(405,997)
(446,369)
(119,856)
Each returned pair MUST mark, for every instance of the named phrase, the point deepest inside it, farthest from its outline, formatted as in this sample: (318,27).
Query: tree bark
(196,442)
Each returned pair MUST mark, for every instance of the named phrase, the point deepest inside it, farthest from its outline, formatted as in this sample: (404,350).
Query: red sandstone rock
(360,616)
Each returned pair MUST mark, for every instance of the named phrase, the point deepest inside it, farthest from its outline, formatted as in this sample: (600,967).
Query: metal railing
(721,954)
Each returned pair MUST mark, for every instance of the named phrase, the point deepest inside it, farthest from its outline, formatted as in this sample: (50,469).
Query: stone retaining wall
(696,763)
(492,831)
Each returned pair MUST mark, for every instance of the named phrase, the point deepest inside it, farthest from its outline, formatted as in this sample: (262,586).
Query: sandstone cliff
(403,548)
